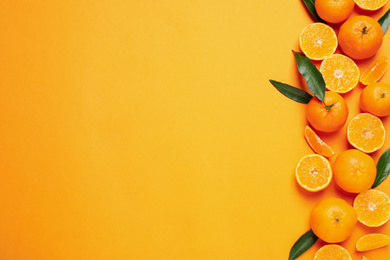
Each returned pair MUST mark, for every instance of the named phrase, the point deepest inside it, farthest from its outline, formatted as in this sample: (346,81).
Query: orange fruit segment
(332,252)
(372,241)
(318,41)
(366,133)
(375,71)
(372,208)
(341,74)
(370,5)
(313,172)
(317,144)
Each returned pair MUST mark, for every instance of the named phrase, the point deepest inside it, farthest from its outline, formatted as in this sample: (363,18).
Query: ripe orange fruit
(375,99)
(334,252)
(341,74)
(370,4)
(354,171)
(313,172)
(360,37)
(375,71)
(333,220)
(372,208)
(327,116)
(318,41)
(364,258)
(317,144)
(372,241)
(366,133)
(334,11)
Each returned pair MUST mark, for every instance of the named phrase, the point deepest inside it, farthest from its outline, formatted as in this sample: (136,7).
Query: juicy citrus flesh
(354,171)
(375,99)
(372,241)
(334,11)
(332,252)
(333,220)
(318,41)
(313,172)
(375,71)
(366,133)
(372,208)
(360,37)
(370,4)
(341,74)
(317,144)
(327,116)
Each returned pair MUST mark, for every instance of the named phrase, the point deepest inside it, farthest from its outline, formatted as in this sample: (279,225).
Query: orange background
(149,130)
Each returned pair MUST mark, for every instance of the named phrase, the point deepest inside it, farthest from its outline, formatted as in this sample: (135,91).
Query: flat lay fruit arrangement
(329,76)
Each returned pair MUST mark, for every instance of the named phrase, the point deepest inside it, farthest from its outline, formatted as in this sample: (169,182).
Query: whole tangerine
(375,99)
(334,11)
(354,171)
(329,115)
(360,37)
(333,220)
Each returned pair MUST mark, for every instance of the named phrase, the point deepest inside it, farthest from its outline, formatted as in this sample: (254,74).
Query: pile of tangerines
(359,37)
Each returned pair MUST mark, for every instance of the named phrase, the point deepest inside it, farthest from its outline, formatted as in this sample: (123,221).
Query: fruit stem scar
(338,219)
(328,107)
(364,31)
(383,94)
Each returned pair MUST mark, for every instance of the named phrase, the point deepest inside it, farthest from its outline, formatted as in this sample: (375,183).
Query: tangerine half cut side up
(334,252)
(372,208)
(341,74)
(366,133)
(313,172)
(318,41)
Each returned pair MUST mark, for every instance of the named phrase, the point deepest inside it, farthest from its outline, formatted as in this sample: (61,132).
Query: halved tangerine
(370,5)
(341,74)
(332,252)
(375,71)
(372,241)
(366,133)
(317,144)
(318,41)
(313,172)
(372,208)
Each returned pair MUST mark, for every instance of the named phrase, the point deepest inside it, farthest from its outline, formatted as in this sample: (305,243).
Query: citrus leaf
(291,92)
(315,81)
(306,241)
(310,6)
(384,21)
(382,168)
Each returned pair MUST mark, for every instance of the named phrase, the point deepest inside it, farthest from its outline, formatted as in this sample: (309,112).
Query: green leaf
(382,168)
(315,81)
(291,92)
(310,6)
(384,21)
(303,244)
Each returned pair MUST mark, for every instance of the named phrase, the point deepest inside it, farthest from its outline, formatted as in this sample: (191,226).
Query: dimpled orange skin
(360,37)
(330,117)
(333,220)
(375,99)
(334,11)
(354,171)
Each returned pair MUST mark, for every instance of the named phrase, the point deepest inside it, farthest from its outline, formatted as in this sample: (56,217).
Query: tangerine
(334,11)
(360,37)
(333,220)
(329,115)
(375,99)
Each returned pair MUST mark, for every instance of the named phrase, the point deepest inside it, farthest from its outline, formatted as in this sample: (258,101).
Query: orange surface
(149,130)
